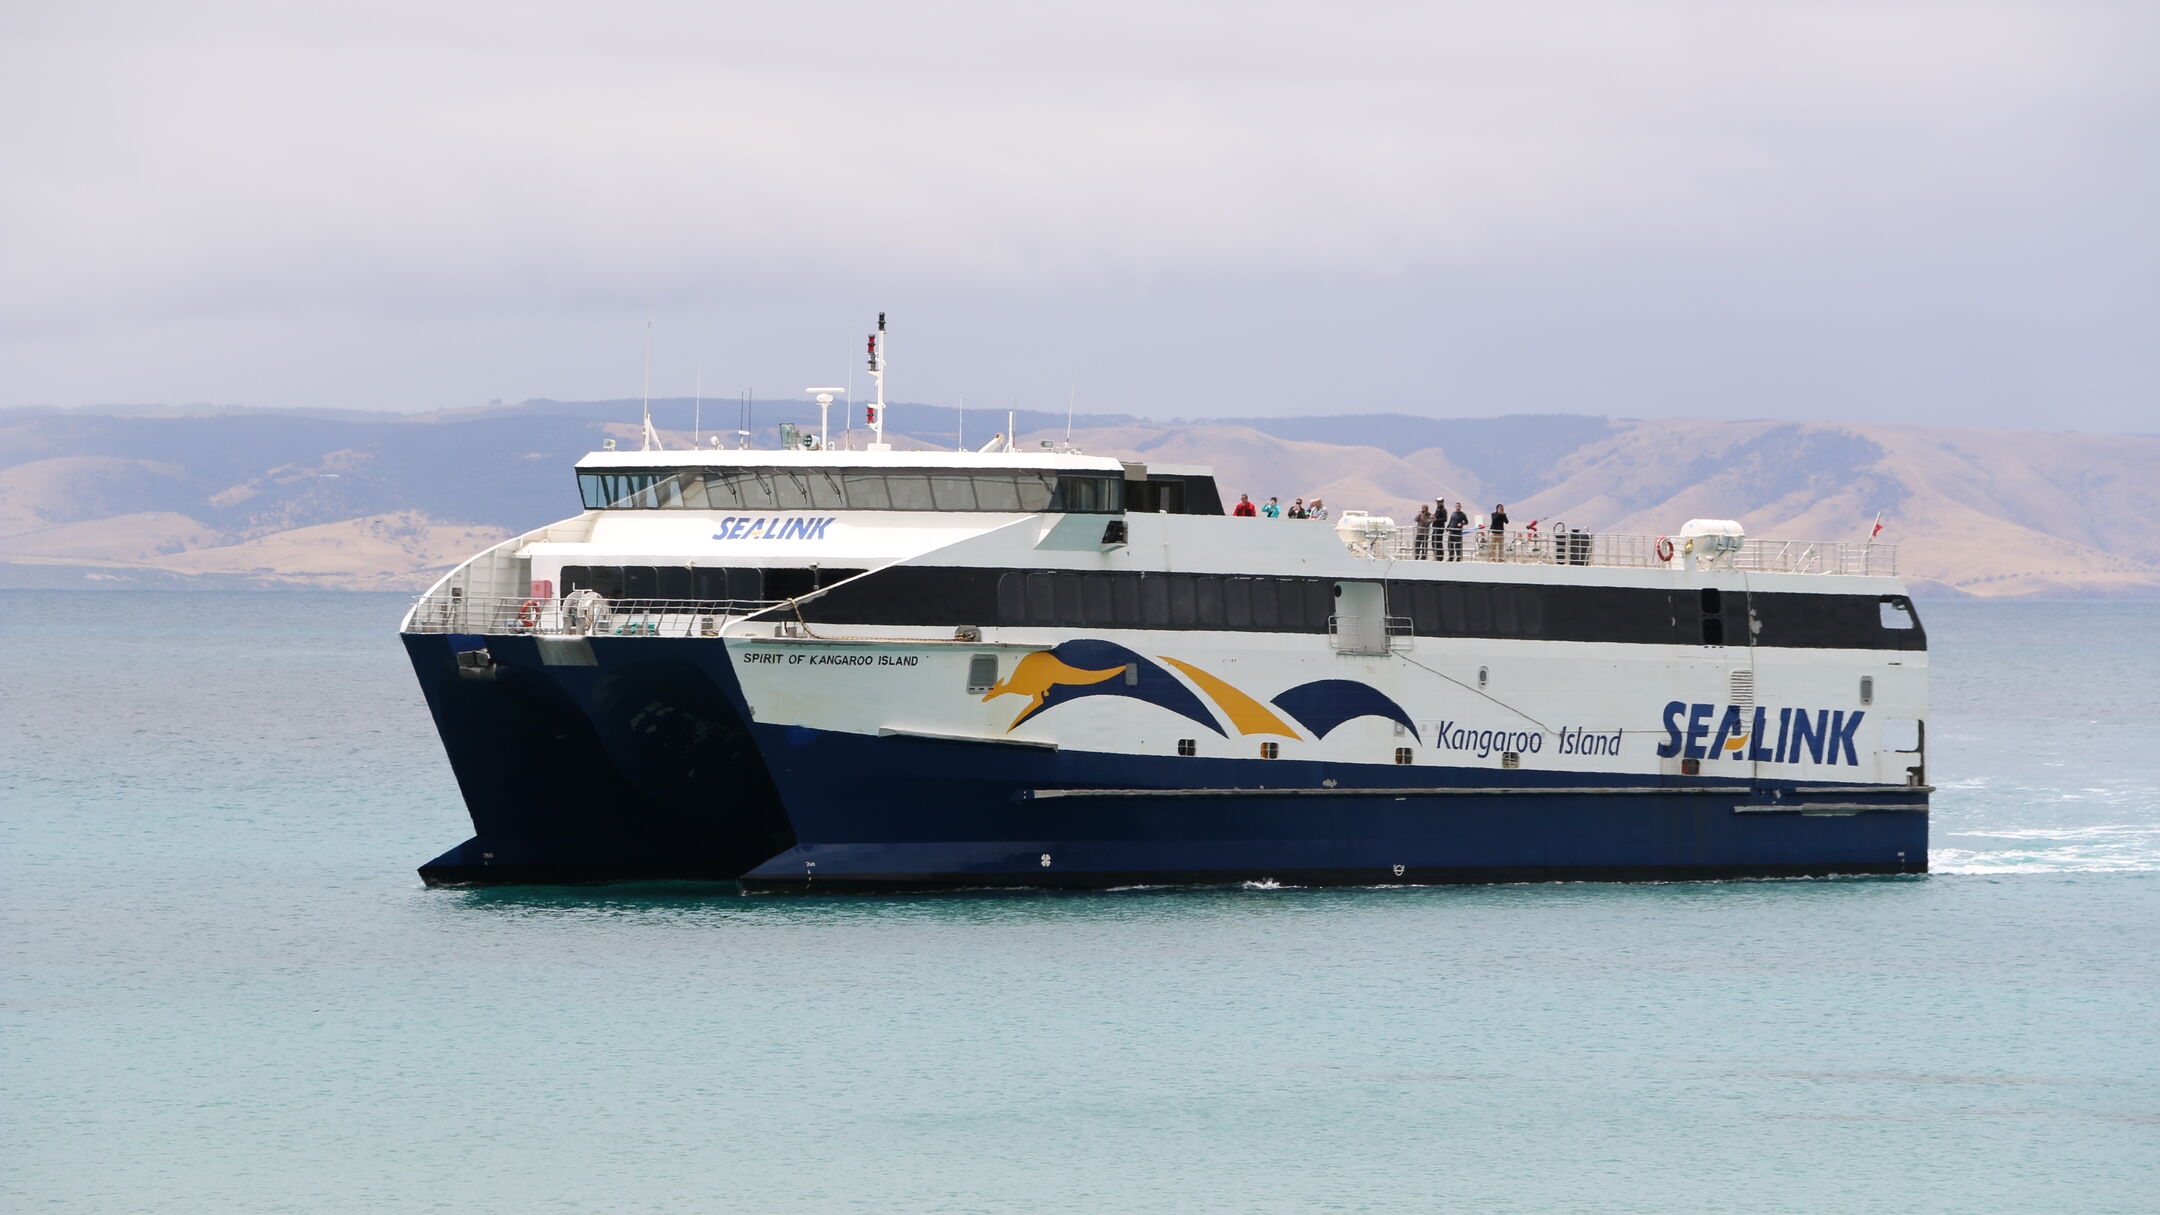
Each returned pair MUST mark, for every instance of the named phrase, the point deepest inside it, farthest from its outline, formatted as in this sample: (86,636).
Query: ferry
(821,668)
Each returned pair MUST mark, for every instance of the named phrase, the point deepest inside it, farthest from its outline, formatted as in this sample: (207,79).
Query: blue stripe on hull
(642,767)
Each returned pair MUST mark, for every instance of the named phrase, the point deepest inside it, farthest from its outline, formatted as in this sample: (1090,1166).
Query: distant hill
(256,498)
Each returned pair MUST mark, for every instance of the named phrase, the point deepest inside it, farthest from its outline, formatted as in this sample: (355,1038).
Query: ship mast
(877,373)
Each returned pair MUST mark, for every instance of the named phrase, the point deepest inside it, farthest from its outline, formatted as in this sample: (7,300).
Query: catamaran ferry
(821,669)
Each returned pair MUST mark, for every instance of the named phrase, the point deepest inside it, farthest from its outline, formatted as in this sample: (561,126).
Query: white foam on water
(2137,852)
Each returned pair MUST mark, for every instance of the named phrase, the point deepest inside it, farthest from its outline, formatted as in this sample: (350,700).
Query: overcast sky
(1887,210)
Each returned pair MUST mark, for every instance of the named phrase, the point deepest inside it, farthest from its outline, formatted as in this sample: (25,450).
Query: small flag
(1877,530)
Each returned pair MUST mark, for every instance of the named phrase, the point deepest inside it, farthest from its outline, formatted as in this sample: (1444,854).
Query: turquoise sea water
(225,990)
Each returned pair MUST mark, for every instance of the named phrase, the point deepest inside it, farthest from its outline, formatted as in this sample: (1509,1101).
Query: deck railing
(1570,547)
(444,612)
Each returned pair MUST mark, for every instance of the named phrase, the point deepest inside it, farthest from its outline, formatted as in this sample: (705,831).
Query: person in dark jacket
(1455,524)
(1499,531)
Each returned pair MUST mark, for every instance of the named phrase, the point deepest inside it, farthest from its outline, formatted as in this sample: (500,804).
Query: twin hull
(1120,758)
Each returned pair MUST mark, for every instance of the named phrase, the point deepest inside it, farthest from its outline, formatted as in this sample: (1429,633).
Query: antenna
(824,414)
(877,373)
(960,431)
(1072,390)
(651,440)
(697,407)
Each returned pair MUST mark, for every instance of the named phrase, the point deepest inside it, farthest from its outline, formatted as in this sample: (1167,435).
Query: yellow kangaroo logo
(1036,674)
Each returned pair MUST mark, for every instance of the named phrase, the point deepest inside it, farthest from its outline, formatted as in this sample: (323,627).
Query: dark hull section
(640,770)
(643,765)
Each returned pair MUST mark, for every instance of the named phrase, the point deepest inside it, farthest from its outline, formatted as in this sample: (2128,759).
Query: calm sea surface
(225,990)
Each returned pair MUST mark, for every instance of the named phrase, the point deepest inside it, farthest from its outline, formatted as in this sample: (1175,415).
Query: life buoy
(1664,549)
(529,613)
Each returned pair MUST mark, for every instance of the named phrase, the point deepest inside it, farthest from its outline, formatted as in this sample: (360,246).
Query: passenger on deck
(1244,508)
(1297,509)
(1456,522)
(1318,510)
(1421,533)
(1499,532)
(1273,509)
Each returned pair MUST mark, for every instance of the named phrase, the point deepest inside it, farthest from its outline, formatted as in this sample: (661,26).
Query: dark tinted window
(1042,599)
(1068,598)
(1184,601)
(640,582)
(1505,622)
(1237,602)
(1097,593)
(1209,597)
(1454,609)
(675,582)
(1126,594)
(1290,596)
(1155,600)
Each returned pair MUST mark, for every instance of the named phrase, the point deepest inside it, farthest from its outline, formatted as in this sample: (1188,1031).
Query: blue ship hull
(646,765)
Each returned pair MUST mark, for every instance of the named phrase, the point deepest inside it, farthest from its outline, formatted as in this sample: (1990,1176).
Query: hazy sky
(1923,212)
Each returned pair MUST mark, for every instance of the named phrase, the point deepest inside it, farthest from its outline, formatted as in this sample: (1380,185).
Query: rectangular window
(791,490)
(1237,602)
(1290,599)
(1069,597)
(1036,490)
(1000,493)
(868,491)
(1479,600)
(1266,603)
(826,491)
(1096,592)
(1187,746)
(1208,597)
(711,583)
(910,491)
(1319,605)
(1425,608)
(1454,612)
(1530,601)
(745,582)
(1505,621)
(1184,601)
(640,582)
(1155,601)
(1012,598)
(1126,589)
(1897,612)
(1270,750)
(674,582)
(1402,755)
(1042,599)
(953,492)
(982,674)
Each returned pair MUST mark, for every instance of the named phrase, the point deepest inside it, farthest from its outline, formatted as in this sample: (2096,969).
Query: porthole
(1483,676)
(1867,689)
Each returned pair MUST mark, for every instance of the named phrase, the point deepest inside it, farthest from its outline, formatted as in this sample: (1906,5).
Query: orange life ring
(529,613)
(1664,549)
